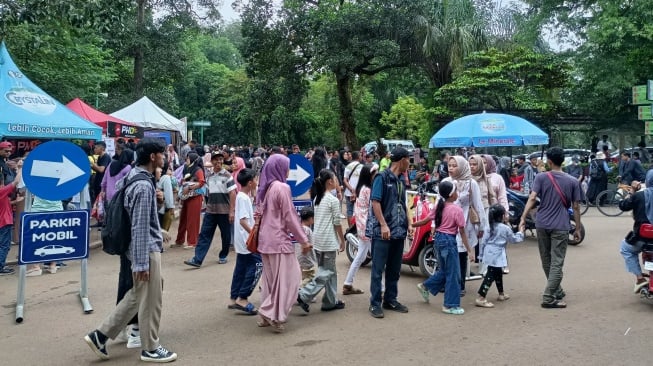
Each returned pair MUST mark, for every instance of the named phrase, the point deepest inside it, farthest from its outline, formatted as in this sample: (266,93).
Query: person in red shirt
(516,181)
(7,218)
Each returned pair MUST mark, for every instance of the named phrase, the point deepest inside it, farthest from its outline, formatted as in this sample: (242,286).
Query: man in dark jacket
(387,226)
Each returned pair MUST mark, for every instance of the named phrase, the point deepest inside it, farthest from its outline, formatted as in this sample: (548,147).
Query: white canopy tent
(146,114)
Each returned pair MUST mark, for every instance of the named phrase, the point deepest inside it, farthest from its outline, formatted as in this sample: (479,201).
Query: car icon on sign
(53,249)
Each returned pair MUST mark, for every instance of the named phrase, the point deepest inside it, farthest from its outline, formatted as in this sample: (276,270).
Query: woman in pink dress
(281,272)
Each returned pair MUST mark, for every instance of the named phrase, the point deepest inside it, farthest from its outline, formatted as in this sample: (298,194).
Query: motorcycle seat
(521,195)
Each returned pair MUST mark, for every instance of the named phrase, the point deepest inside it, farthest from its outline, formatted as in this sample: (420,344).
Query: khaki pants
(145,298)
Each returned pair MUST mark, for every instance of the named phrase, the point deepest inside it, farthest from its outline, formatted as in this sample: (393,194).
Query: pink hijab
(240,165)
(274,169)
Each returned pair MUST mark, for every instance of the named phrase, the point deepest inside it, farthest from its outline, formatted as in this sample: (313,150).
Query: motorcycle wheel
(352,250)
(428,260)
(571,233)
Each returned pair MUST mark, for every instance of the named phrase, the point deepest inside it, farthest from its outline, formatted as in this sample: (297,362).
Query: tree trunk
(347,124)
(138,49)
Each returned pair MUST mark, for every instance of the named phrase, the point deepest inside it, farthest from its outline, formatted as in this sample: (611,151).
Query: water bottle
(527,188)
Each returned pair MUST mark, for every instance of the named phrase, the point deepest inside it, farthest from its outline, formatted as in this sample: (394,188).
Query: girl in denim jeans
(449,220)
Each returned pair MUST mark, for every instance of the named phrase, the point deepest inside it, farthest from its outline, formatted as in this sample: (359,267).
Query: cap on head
(398,153)
(6,145)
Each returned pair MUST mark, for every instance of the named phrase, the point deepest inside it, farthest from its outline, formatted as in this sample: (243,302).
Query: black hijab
(126,158)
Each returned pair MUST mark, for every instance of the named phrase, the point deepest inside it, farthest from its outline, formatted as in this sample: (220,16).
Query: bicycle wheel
(608,202)
(584,206)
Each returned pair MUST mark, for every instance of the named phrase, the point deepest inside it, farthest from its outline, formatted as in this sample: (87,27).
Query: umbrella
(488,129)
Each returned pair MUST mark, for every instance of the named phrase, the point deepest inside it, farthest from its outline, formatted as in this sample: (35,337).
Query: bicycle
(608,201)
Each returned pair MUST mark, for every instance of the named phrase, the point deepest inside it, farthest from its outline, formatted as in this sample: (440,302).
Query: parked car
(615,155)
(390,145)
(582,154)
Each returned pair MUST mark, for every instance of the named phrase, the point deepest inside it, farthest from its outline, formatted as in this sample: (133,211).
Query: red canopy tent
(111,126)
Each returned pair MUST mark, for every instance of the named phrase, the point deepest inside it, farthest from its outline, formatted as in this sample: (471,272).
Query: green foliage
(407,119)
(506,81)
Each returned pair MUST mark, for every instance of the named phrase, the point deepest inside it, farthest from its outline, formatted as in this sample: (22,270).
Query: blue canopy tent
(27,111)
(488,129)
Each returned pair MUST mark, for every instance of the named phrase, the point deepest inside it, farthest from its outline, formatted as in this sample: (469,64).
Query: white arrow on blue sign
(300,178)
(56,170)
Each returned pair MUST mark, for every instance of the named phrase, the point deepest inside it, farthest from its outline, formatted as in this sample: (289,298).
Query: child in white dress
(494,254)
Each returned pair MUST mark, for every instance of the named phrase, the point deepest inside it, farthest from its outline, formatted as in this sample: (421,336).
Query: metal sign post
(201,125)
(54,171)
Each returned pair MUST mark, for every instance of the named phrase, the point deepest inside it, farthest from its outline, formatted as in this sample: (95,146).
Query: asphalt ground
(604,323)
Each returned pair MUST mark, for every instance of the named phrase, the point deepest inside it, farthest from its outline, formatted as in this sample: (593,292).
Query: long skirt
(279,285)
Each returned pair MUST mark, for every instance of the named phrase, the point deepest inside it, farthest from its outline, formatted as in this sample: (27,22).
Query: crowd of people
(232,188)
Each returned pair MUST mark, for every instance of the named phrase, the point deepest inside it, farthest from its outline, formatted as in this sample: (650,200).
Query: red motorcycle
(647,257)
(646,232)
(420,252)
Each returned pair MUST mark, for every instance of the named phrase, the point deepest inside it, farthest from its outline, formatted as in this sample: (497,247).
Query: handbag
(474,218)
(252,239)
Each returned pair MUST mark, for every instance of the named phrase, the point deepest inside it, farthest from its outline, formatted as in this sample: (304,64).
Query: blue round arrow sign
(56,170)
(300,178)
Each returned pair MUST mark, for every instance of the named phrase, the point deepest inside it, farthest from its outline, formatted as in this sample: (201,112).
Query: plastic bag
(98,208)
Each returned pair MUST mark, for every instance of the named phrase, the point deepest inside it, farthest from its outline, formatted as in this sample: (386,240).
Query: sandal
(278,326)
(248,309)
(263,321)
(351,290)
(483,303)
(453,311)
(503,297)
(557,304)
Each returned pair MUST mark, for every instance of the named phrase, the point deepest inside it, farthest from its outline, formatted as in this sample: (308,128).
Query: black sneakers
(99,347)
(303,304)
(158,355)
(395,306)
(6,271)
(376,311)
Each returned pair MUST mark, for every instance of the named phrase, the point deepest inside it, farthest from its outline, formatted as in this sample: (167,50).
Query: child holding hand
(449,221)
(494,254)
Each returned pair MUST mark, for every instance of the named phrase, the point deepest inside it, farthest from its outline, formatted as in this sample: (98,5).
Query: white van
(390,145)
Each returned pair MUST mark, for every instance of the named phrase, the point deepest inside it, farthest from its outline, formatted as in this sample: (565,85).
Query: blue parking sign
(53,236)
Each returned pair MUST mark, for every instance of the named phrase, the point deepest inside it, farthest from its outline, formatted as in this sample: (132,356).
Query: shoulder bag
(252,239)
(557,188)
(474,218)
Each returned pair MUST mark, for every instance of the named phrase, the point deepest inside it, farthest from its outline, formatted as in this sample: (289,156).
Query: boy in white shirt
(249,266)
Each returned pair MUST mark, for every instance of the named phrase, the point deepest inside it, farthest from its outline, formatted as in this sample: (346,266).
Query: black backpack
(117,229)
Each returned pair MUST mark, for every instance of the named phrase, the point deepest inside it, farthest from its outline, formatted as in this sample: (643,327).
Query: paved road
(605,324)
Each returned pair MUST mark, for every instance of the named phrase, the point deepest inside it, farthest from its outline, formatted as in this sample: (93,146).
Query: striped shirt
(219,185)
(327,214)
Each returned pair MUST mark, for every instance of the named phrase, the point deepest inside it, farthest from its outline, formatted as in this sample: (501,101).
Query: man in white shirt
(352,173)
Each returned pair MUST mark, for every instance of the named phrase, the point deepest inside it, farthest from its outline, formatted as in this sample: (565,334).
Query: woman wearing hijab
(238,165)
(281,272)
(469,195)
(118,168)
(496,181)
(189,218)
(641,203)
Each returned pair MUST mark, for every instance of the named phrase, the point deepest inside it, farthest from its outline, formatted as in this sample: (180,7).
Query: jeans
(448,274)
(631,257)
(209,224)
(247,272)
(5,243)
(553,248)
(494,274)
(326,278)
(350,206)
(386,255)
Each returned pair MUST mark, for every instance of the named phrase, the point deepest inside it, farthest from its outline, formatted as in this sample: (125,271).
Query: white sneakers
(134,339)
